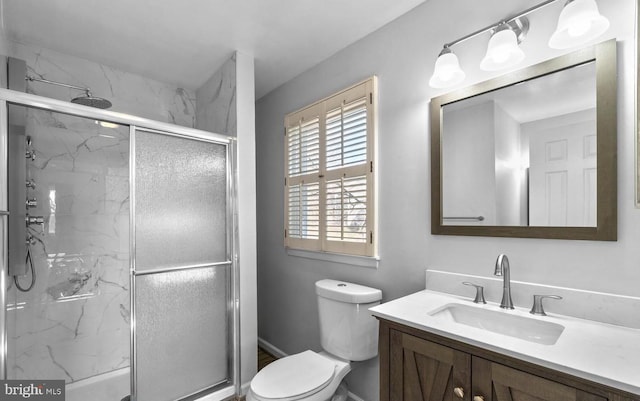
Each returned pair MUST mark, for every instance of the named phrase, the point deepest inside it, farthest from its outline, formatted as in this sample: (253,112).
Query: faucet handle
(479,299)
(537,308)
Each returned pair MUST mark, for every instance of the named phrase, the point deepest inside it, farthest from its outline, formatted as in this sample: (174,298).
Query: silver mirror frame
(604,55)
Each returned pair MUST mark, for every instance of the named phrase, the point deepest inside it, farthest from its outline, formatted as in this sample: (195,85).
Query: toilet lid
(293,376)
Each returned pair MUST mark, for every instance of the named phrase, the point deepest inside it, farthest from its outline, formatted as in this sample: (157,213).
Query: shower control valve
(35,220)
(31,240)
(31,184)
(31,202)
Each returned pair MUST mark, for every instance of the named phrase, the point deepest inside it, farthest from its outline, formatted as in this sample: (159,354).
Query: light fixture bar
(505,21)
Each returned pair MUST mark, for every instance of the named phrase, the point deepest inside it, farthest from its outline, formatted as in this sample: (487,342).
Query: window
(330,174)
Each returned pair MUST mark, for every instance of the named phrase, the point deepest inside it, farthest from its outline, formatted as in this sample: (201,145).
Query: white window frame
(366,90)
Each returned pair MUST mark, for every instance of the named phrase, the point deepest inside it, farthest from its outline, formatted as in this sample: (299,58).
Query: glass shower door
(130,233)
(181,281)
(71,320)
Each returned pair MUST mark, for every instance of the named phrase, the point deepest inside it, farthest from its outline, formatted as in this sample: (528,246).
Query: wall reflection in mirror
(523,155)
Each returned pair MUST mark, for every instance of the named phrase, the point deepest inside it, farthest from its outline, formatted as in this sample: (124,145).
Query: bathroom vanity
(436,346)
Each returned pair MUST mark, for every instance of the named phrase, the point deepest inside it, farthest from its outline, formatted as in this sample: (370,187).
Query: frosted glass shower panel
(181,201)
(181,332)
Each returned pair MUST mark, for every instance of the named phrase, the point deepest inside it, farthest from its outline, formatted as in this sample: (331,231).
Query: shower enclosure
(124,228)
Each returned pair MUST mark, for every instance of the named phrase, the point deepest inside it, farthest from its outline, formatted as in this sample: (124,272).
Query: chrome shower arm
(46,81)
(87,100)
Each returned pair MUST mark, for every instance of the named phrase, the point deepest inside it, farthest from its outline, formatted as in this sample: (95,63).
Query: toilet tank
(347,329)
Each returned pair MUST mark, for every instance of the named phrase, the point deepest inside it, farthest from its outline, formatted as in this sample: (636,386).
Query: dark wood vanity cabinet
(508,384)
(423,370)
(419,366)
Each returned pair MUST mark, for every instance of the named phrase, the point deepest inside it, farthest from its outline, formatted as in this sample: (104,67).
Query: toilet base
(342,393)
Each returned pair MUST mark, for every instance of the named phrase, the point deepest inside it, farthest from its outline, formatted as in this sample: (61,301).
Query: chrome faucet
(502,269)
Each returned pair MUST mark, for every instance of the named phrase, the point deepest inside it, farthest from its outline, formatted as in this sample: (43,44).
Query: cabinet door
(421,370)
(495,382)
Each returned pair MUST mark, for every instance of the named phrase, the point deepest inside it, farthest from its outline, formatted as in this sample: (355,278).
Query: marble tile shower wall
(75,322)
(129,93)
(216,101)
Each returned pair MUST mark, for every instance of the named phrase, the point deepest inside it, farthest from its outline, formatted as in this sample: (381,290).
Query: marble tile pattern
(129,93)
(74,323)
(216,101)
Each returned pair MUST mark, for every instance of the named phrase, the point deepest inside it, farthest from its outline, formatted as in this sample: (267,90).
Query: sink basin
(505,323)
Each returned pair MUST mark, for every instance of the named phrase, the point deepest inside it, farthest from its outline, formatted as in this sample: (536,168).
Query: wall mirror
(531,153)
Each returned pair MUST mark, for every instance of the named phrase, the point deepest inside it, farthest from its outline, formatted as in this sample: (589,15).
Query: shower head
(86,100)
(91,101)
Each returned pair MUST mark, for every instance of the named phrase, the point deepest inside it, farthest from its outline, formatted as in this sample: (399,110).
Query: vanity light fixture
(579,22)
(447,71)
(503,50)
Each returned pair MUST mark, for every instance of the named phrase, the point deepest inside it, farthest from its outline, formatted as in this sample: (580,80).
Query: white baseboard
(353,397)
(224,394)
(272,349)
(277,352)
(244,389)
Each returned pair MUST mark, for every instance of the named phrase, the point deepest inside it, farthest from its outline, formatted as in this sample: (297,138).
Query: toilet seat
(294,377)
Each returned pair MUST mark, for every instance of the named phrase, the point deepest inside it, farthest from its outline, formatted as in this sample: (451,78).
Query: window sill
(353,260)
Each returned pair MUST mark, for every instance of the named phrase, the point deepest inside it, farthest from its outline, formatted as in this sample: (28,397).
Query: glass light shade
(503,51)
(447,71)
(579,22)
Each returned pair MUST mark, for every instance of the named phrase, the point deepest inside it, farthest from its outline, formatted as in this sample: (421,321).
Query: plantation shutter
(329,174)
(302,189)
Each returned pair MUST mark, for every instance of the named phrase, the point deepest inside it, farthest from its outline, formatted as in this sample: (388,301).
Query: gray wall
(469,163)
(508,174)
(402,55)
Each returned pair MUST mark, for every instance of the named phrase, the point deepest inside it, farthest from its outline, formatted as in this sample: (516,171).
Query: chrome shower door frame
(8,97)
(4,240)
(231,258)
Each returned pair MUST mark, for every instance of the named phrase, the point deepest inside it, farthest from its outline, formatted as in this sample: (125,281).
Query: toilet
(348,333)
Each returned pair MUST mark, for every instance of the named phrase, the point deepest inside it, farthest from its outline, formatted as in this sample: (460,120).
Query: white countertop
(599,352)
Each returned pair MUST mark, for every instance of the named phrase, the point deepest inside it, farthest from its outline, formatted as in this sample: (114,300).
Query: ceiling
(184,42)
